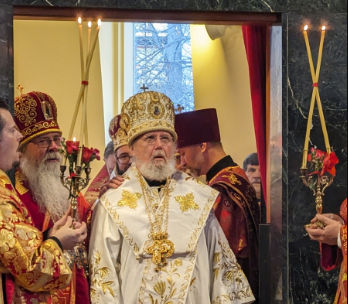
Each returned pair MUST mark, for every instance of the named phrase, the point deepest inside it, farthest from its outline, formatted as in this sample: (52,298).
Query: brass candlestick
(318,184)
(75,183)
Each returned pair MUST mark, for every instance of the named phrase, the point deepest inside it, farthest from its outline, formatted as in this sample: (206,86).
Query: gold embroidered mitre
(147,112)
(35,115)
(118,129)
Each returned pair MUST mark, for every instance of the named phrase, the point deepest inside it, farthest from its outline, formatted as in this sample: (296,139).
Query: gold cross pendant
(161,249)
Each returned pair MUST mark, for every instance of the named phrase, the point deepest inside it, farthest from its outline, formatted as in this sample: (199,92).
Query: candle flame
(99,22)
(323,28)
(79,20)
(89,24)
(74,139)
(306,27)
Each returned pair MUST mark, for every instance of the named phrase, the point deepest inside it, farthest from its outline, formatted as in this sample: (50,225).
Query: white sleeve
(229,282)
(104,251)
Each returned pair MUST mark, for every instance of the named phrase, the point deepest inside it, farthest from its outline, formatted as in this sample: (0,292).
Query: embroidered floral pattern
(129,199)
(233,179)
(100,276)
(187,202)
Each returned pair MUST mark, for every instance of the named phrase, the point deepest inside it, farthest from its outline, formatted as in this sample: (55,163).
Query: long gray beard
(156,173)
(45,185)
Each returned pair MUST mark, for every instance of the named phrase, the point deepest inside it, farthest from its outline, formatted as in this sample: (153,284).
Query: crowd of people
(154,232)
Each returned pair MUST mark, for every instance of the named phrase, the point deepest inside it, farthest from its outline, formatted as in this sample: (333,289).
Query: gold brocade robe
(36,268)
(333,257)
(202,269)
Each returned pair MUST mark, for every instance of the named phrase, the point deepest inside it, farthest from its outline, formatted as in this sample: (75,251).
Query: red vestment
(333,257)
(78,290)
(32,268)
(92,193)
(238,214)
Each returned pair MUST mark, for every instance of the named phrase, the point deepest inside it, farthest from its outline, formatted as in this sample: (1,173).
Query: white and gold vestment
(202,269)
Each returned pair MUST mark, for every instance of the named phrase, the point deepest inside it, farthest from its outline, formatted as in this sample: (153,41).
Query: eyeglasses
(123,159)
(151,139)
(47,142)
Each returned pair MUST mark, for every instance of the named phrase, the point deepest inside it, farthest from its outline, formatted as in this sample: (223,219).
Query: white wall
(47,59)
(221,81)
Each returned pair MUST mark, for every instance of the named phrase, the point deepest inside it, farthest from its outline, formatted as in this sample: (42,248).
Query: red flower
(96,154)
(72,147)
(322,162)
(329,163)
(87,155)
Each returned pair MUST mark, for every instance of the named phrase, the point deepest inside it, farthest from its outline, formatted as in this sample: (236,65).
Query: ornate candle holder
(322,174)
(75,183)
(79,159)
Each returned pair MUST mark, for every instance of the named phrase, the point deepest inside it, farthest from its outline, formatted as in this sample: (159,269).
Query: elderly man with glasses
(118,135)
(38,179)
(155,239)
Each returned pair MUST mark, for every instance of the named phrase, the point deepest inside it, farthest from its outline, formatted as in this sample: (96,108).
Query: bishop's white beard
(155,172)
(45,185)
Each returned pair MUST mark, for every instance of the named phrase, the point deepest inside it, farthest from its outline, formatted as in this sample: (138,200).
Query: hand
(331,216)
(327,235)
(57,225)
(114,183)
(70,236)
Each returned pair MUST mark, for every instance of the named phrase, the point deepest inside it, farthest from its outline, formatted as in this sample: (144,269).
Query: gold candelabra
(318,184)
(75,183)
(317,181)
(77,180)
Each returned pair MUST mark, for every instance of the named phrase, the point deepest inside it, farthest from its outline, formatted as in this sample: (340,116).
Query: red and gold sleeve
(343,234)
(36,265)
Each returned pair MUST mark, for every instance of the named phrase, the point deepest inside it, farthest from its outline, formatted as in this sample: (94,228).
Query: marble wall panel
(308,283)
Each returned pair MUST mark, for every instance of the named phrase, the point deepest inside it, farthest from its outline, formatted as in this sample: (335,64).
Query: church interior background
(43,55)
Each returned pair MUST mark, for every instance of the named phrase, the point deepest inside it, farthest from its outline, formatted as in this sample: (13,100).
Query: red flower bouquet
(70,153)
(322,162)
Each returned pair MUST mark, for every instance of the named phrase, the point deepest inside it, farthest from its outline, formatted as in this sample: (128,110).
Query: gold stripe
(26,140)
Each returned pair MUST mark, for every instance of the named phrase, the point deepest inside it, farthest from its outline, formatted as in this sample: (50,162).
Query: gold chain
(161,248)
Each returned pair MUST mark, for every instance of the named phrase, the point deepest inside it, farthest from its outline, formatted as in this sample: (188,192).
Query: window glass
(163,61)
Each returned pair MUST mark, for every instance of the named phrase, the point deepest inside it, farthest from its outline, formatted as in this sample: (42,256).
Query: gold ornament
(161,247)
(129,199)
(187,202)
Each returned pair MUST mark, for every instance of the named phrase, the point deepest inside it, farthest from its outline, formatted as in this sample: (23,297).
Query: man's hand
(329,234)
(60,223)
(114,183)
(69,234)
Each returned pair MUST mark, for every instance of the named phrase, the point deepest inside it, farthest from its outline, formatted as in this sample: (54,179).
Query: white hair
(45,185)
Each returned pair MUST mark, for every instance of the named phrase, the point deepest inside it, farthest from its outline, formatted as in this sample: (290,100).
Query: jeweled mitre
(147,112)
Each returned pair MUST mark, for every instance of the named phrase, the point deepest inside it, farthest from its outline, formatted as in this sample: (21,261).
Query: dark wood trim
(124,15)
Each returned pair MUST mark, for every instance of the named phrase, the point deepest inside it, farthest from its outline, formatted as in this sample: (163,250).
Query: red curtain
(255,45)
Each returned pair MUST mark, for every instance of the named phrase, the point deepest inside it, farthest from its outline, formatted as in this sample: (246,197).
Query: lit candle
(89,36)
(320,108)
(90,54)
(79,153)
(309,52)
(311,108)
(320,54)
(81,47)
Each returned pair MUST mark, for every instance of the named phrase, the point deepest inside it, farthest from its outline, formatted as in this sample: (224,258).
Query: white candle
(89,36)
(81,47)
(91,52)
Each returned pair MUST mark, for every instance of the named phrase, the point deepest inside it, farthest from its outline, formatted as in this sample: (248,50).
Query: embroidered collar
(223,163)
